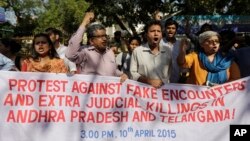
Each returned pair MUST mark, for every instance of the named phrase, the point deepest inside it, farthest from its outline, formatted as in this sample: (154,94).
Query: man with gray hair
(95,58)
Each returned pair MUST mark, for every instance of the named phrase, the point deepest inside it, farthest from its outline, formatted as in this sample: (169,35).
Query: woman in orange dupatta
(44,57)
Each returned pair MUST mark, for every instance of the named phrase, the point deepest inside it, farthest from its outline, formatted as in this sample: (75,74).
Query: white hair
(207,34)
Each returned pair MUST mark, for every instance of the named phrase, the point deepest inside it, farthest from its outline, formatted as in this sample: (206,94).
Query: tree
(24,10)
(36,15)
(120,12)
(65,15)
(219,7)
(239,7)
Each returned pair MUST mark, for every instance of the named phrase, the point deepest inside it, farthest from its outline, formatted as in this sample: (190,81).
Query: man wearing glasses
(96,58)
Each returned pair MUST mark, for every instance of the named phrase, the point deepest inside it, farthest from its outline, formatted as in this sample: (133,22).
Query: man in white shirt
(171,42)
(151,63)
(6,64)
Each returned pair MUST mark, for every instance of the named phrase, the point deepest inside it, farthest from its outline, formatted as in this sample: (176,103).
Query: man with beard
(95,58)
(151,62)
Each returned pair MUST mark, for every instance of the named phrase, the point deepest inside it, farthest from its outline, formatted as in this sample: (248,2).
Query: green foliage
(24,10)
(3,3)
(36,15)
(120,12)
(6,30)
(200,7)
(211,7)
(132,11)
(65,15)
(25,26)
(239,7)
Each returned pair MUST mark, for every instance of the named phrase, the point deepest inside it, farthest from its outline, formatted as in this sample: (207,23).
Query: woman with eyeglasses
(44,57)
(208,66)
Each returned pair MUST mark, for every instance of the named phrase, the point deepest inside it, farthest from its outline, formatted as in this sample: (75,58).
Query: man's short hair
(150,23)
(92,28)
(118,33)
(171,22)
(52,30)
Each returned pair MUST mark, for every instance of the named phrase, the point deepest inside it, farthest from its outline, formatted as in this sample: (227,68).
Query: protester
(54,35)
(95,58)
(123,58)
(241,58)
(10,49)
(6,64)
(241,55)
(228,40)
(44,57)
(194,37)
(113,46)
(208,66)
(151,63)
(119,42)
(173,44)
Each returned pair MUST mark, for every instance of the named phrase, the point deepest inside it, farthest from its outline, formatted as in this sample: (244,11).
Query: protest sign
(48,106)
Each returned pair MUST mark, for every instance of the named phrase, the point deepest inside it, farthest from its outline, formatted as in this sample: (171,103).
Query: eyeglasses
(41,42)
(212,41)
(100,36)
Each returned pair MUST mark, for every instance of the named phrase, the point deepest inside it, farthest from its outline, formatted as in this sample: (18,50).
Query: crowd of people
(157,59)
